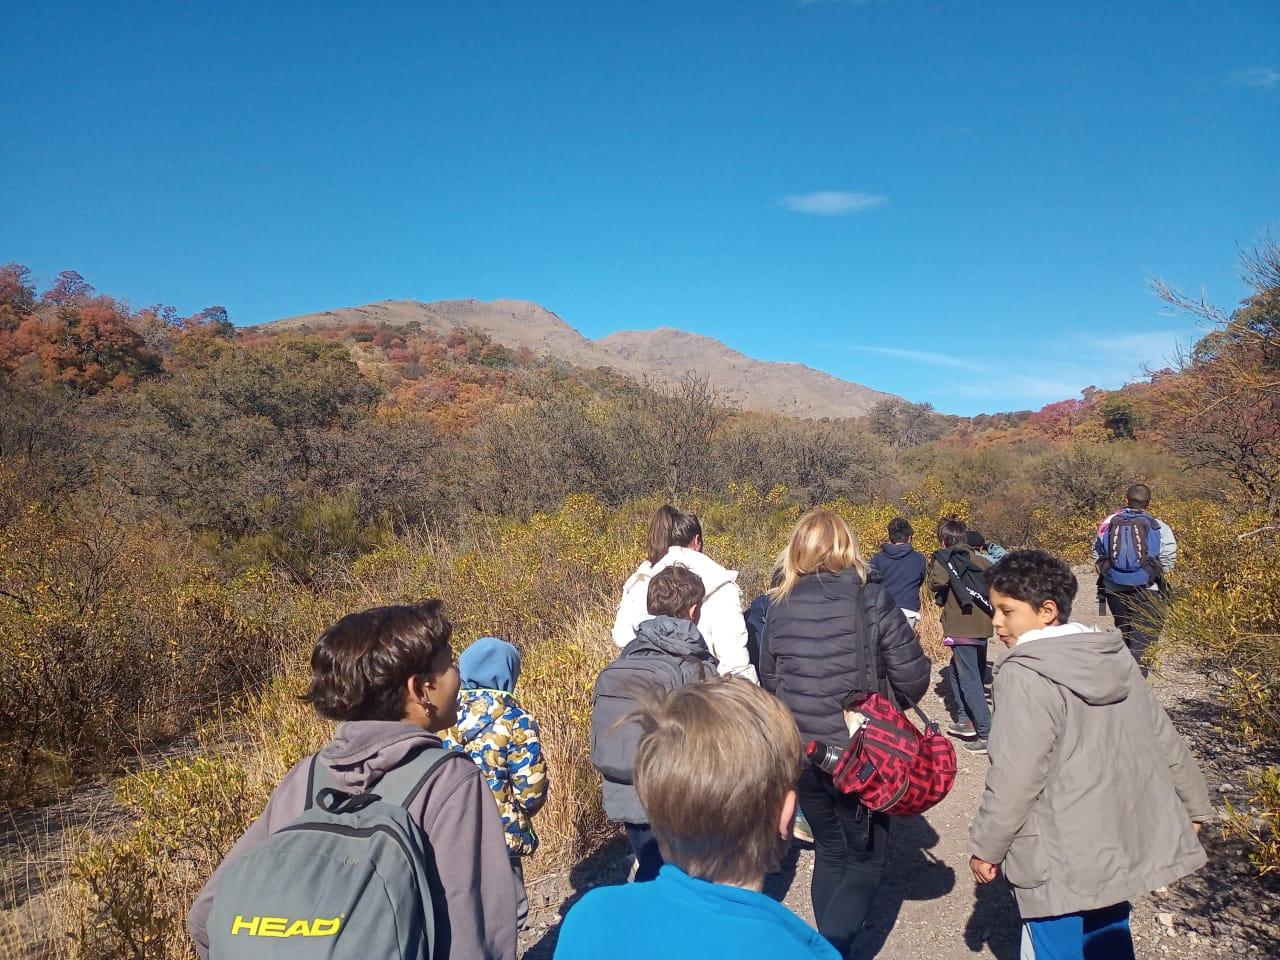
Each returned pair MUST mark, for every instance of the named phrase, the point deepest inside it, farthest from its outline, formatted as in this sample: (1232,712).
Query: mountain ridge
(663,355)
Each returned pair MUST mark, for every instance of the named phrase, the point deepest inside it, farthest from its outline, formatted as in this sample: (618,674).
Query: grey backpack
(614,735)
(349,877)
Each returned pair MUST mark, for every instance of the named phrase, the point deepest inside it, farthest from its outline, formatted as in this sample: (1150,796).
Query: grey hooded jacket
(667,652)
(457,812)
(1091,792)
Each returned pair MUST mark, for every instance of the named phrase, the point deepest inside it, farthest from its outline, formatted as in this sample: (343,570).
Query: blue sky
(958,201)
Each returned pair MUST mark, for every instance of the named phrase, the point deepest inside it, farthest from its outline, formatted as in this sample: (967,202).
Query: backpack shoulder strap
(866,659)
(401,785)
(318,778)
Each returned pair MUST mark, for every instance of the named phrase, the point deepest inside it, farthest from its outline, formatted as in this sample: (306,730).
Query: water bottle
(823,756)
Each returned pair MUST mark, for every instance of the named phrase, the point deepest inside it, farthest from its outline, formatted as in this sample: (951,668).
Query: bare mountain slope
(664,354)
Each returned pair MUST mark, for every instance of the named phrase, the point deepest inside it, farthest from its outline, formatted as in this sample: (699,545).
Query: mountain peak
(665,354)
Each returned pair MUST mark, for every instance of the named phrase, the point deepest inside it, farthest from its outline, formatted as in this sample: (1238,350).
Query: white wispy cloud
(1022,376)
(1126,354)
(832,203)
(1265,78)
(923,356)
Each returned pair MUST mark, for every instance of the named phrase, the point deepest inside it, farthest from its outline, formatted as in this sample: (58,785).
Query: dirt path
(928,907)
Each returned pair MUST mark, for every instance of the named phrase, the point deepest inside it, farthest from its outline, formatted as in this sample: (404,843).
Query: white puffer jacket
(721,622)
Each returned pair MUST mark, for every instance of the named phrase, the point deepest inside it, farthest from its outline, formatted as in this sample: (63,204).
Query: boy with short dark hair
(387,674)
(722,818)
(667,652)
(901,569)
(1078,829)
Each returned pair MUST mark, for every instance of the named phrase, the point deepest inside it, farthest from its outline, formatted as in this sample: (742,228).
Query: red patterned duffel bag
(889,764)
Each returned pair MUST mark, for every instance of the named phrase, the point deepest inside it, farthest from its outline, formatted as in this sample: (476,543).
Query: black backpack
(968,580)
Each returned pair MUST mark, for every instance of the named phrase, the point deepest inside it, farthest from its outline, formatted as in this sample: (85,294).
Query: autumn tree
(221,443)
(1222,411)
(1058,419)
(1119,418)
(903,424)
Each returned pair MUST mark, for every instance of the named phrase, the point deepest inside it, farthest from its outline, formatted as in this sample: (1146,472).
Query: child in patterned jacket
(503,741)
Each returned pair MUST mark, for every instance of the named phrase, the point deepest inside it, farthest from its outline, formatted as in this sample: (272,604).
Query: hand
(1197,824)
(983,872)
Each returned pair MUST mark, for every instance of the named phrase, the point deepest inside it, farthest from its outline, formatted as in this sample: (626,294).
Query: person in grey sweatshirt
(389,674)
(1092,798)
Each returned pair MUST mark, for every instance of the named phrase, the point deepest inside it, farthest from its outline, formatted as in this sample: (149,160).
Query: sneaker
(801,830)
(965,731)
(976,746)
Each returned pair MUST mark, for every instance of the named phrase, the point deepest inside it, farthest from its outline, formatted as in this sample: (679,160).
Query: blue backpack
(1132,550)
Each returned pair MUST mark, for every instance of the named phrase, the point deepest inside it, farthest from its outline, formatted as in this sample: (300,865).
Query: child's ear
(695,611)
(415,689)
(1048,613)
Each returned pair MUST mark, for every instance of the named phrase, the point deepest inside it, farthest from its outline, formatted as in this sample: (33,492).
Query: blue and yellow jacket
(502,739)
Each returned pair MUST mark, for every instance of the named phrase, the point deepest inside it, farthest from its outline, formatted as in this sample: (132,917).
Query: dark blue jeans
(968,664)
(850,846)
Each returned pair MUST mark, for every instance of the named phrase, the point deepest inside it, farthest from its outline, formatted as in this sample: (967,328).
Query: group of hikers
(405,835)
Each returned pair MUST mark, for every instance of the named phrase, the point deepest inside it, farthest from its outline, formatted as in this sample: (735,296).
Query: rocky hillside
(658,355)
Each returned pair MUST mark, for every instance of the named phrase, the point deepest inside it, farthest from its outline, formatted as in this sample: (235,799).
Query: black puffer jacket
(808,656)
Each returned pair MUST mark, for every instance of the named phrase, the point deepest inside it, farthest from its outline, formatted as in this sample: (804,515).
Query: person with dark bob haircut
(1091,797)
(387,675)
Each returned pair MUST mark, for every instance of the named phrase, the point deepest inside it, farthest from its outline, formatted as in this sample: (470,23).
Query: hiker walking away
(723,817)
(987,548)
(384,843)
(1133,551)
(666,652)
(900,568)
(503,740)
(830,635)
(956,577)
(675,537)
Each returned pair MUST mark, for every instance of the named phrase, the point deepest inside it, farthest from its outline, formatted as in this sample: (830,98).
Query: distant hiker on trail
(1133,551)
(666,652)
(901,569)
(1092,798)
(327,860)
(504,742)
(984,547)
(722,817)
(830,634)
(758,611)
(956,577)
(676,537)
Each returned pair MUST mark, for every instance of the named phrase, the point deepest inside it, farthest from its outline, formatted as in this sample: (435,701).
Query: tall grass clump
(115,635)
(1226,619)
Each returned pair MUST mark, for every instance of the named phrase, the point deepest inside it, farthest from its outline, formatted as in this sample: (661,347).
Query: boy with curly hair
(1091,798)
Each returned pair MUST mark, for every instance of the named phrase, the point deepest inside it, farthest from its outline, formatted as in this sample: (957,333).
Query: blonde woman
(831,634)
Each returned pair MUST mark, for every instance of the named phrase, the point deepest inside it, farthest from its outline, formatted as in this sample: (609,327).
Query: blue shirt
(677,916)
